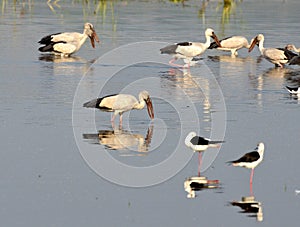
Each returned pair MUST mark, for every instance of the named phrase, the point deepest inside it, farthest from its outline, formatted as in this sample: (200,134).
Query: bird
(295,60)
(188,50)
(251,160)
(120,103)
(277,56)
(293,90)
(67,43)
(200,144)
(232,44)
(292,47)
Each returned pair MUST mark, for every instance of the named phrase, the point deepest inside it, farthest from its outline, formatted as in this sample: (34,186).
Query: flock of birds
(66,44)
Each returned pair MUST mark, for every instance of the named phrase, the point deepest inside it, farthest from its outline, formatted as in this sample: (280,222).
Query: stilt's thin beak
(150,108)
(216,39)
(252,45)
(94,37)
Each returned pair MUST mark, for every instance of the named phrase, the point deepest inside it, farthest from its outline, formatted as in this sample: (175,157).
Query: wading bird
(277,56)
(200,144)
(188,50)
(232,44)
(120,103)
(67,43)
(251,160)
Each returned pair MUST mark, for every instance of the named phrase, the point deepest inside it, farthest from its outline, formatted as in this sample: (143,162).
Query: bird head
(188,138)
(260,148)
(210,32)
(144,95)
(255,41)
(91,33)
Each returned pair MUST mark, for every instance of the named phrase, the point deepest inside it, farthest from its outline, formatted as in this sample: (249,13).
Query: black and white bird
(232,44)
(293,90)
(277,56)
(188,50)
(251,160)
(199,144)
(120,103)
(67,43)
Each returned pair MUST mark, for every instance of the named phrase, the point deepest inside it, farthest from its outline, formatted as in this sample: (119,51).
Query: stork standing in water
(120,103)
(67,43)
(251,160)
(232,44)
(200,144)
(277,56)
(188,50)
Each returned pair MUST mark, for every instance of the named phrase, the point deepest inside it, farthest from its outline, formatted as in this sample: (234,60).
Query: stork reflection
(118,139)
(250,206)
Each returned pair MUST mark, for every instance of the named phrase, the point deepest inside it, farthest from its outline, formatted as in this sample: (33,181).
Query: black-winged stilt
(251,160)
(200,144)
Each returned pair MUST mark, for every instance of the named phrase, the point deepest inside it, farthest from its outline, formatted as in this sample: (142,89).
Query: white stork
(232,44)
(277,56)
(67,43)
(188,50)
(120,103)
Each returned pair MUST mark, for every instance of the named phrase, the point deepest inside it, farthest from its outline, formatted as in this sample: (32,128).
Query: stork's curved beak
(150,108)
(216,39)
(94,37)
(252,45)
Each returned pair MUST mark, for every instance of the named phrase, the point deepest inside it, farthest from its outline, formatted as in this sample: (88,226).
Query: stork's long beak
(150,108)
(216,39)
(94,37)
(252,45)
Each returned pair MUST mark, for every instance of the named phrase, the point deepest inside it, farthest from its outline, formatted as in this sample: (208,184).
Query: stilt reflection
(250,206)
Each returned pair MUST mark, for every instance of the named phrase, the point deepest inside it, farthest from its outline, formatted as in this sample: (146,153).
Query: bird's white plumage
(233,44)
(67,43)
(273,55)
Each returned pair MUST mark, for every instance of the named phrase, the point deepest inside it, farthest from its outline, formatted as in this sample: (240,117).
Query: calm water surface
(45,180)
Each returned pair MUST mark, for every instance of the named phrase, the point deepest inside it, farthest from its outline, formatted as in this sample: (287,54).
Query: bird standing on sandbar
(67,43)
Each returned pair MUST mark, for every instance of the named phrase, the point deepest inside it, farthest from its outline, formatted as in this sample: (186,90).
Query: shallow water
(51,153)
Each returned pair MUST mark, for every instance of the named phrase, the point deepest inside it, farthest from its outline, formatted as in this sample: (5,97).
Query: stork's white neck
(207,43)
(261,45)
(140,105)
(82,39)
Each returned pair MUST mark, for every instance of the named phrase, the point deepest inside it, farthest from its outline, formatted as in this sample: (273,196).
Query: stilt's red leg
(251,177)
(173,64)
(200,162)
(251,180)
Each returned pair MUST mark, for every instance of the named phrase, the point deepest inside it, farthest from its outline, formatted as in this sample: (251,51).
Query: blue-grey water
(55,155)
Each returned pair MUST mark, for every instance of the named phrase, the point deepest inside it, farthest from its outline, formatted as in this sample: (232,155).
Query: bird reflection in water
(118,139)
(250,206)
(198,183)
(70,66)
